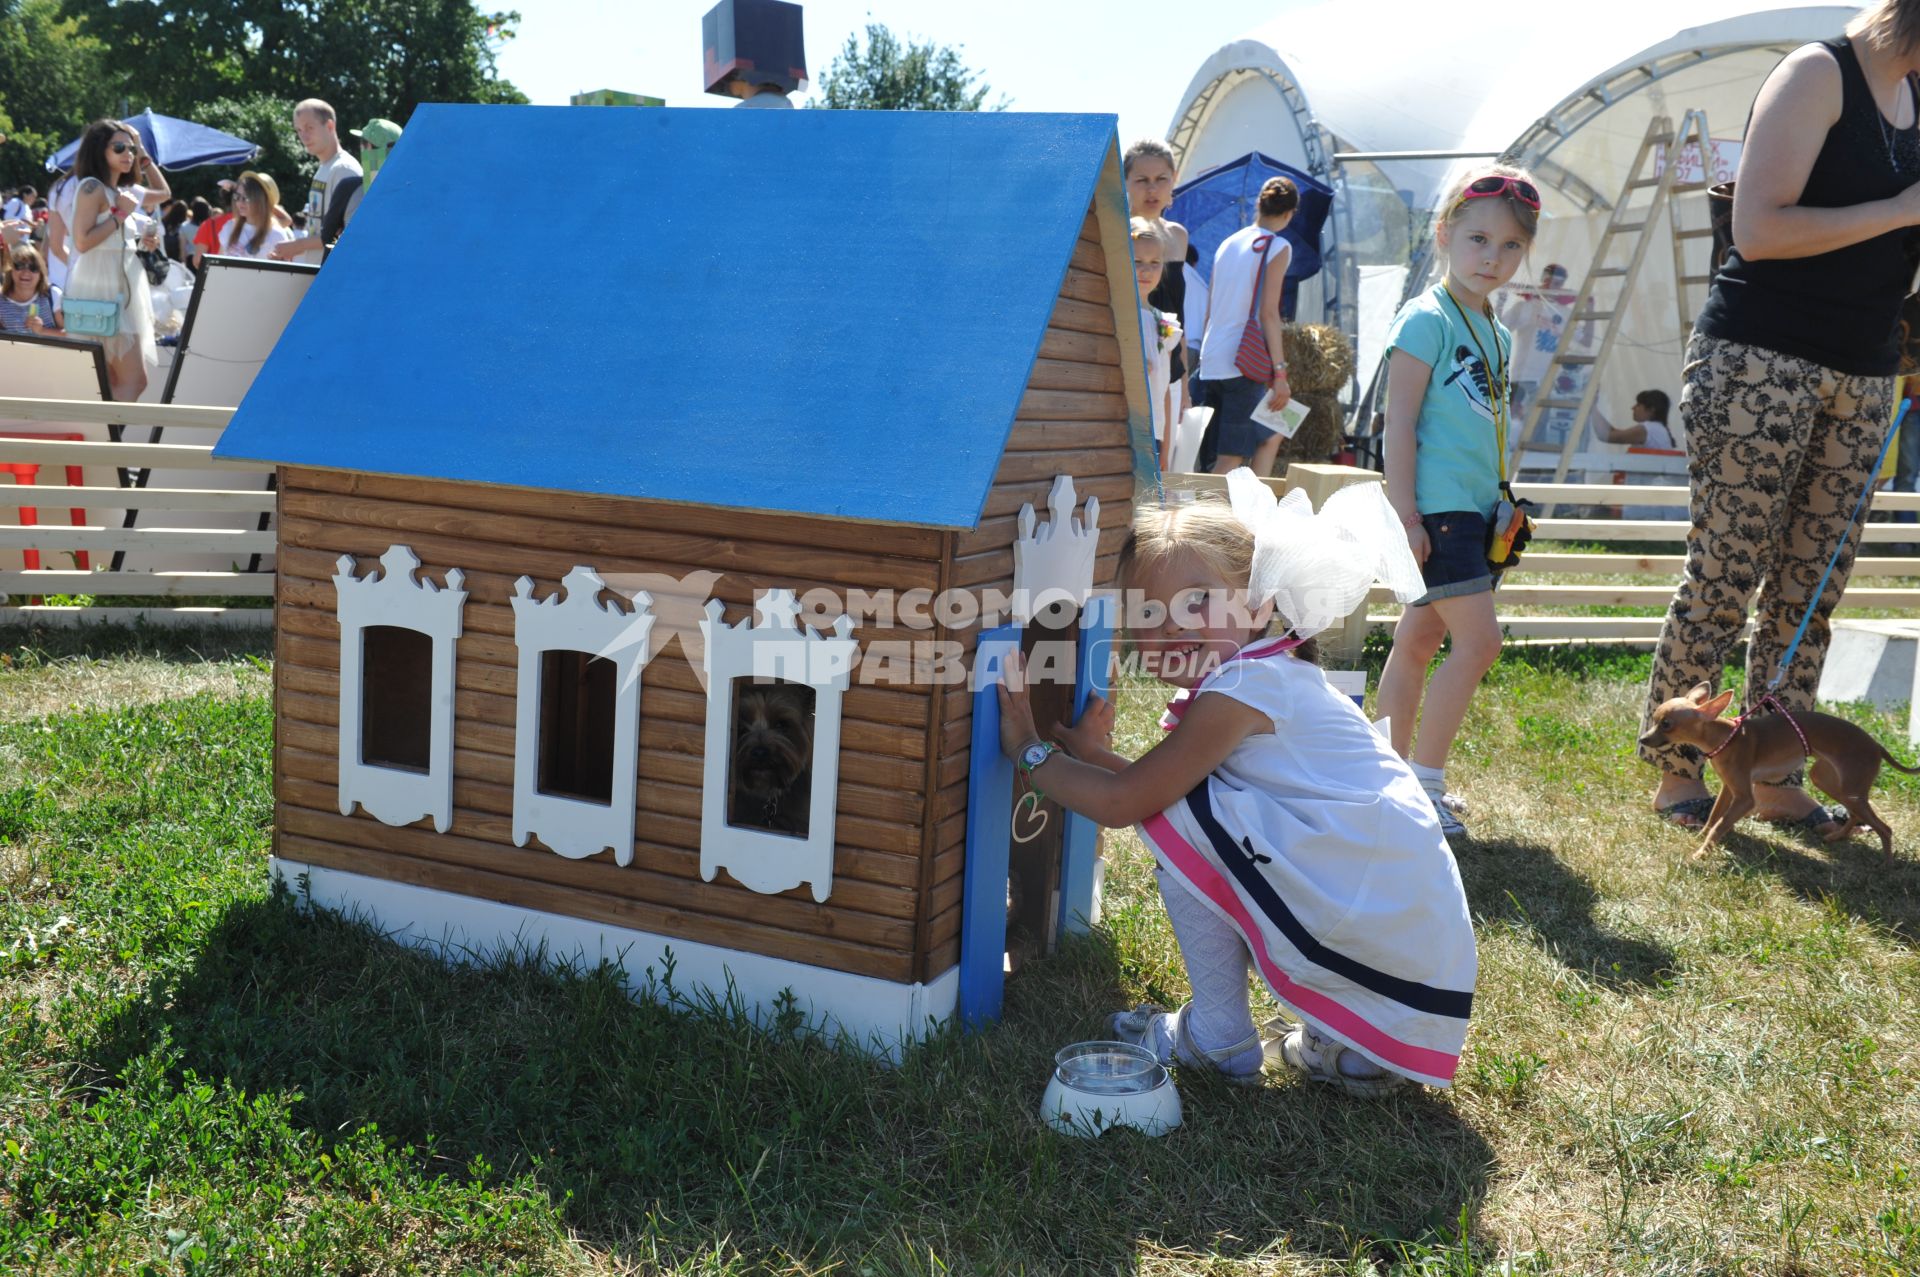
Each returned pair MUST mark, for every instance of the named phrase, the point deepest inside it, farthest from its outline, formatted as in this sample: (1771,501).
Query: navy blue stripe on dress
(1240,862)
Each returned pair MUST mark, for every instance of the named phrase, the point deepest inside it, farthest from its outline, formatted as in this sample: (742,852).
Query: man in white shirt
(20,206)
(334,182)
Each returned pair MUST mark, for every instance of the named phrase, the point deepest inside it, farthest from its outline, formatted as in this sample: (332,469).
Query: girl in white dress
(1291,839)
(104,266)
(1159,333)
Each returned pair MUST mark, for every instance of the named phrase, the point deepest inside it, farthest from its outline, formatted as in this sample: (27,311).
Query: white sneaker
(1450,823)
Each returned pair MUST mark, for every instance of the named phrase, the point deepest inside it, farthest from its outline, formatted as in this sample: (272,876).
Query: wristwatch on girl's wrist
(1035,752)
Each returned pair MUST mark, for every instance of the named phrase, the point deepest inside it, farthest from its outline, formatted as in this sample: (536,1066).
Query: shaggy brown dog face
(772,764)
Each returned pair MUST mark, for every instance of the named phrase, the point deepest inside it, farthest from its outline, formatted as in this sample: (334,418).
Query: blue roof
(822,312)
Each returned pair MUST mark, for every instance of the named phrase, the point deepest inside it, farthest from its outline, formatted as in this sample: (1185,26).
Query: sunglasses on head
(1494,184)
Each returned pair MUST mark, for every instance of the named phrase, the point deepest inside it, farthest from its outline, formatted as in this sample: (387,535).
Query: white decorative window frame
(574,827)
(1055,563)
(393,596)
(773,646)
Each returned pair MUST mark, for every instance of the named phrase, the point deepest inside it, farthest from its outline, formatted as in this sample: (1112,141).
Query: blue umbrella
(1222,200)
(173,144)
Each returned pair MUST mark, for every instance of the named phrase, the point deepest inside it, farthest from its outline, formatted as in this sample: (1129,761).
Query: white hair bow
(1318,568)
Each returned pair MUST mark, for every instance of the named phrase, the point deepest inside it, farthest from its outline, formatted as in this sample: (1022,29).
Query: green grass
(1673,1068)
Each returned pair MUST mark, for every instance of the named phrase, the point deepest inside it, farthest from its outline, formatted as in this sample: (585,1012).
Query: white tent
(1567,91)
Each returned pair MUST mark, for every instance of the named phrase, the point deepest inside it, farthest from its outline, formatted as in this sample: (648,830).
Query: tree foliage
(366,57)
(53,79)
(892,75)
(265,121)
(240,65)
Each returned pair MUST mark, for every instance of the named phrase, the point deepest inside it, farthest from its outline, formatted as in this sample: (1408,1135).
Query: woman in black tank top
(1789,378)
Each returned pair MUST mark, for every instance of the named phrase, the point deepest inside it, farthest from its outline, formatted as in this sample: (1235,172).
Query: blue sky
(1128,57)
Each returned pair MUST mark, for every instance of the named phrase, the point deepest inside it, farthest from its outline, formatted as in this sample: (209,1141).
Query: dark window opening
(576,725)
(770,767)
(396,698)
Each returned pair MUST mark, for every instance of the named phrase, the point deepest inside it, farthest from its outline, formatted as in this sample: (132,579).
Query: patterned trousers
(1778,450)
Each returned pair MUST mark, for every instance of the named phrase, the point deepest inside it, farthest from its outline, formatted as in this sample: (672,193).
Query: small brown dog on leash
(1846,760)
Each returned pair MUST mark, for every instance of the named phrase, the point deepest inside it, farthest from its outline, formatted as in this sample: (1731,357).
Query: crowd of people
(80,259)
(1228,357)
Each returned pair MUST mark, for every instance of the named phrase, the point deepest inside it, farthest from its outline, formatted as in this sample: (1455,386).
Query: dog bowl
(1097,1085)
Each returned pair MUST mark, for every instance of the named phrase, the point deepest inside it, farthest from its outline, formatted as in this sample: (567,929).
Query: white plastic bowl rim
(1140,1072)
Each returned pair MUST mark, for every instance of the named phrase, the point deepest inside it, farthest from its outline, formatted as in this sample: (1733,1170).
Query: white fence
(1550,578)
(223,511)
(216,516)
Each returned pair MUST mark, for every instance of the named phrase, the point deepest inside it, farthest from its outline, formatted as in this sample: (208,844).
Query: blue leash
(1821,589)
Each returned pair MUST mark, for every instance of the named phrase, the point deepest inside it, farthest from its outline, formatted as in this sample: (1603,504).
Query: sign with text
(1724,162)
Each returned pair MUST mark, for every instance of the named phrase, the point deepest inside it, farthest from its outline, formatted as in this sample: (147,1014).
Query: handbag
(154,262)
(88,317)
(1253,359)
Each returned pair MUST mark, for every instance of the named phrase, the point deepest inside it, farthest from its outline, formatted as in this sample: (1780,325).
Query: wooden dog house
(810,356)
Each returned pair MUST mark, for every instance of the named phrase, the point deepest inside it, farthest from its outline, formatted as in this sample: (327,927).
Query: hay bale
(1321,434)
(1319,357)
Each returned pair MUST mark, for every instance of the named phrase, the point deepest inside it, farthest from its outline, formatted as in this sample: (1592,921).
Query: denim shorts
(1233,432)
(1457,560)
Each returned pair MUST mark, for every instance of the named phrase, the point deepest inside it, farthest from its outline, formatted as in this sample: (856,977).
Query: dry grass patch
(76,684)
(1680,1068)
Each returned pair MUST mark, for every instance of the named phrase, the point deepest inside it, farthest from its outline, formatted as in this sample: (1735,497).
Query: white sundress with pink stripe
(1316,842)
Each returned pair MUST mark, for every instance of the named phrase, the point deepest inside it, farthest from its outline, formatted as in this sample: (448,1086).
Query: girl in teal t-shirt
(1446,436)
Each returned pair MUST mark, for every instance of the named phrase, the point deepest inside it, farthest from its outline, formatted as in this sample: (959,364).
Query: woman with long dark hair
(114,179)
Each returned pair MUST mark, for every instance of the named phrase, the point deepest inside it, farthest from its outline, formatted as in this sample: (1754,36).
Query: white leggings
(1217,967)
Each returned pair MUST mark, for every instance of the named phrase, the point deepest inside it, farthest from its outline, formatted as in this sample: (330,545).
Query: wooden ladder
(1631,225)
(1692,124)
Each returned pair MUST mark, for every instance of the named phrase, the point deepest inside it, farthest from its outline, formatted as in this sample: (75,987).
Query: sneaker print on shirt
(1470,373)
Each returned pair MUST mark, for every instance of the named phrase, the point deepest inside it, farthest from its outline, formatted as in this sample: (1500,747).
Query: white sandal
(1134,1027)
(1305,1051)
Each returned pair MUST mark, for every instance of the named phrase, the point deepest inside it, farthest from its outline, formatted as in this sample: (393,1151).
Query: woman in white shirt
(1254,255)
(253,231)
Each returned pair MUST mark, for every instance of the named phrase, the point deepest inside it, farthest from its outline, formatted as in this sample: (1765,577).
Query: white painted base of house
(875,1015)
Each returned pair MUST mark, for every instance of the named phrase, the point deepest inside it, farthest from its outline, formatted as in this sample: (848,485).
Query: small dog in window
(772,773)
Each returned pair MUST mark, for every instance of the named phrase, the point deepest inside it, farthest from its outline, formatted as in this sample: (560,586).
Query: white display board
(238,310)
(51,368)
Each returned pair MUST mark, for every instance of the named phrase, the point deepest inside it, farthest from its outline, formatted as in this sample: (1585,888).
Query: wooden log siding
(895,911)
(493,535)
(1072,420)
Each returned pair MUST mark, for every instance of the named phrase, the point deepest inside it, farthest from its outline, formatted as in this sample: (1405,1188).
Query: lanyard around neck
(1496,377)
